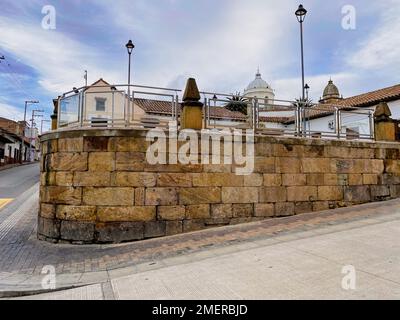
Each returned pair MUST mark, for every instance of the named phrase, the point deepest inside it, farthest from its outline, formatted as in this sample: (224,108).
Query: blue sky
(220,43)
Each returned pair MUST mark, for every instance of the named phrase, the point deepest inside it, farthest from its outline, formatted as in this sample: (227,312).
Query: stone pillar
(54,116)
(386,129)
(192,108)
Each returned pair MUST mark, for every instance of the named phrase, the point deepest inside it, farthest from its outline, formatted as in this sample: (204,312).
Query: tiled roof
(165,108)
(373,97)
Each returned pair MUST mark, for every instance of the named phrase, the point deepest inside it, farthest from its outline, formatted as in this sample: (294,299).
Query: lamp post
(301,13)
(129,46)
(31,133)
(215,98)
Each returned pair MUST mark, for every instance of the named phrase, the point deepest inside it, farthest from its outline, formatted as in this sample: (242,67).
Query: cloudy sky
(220,43)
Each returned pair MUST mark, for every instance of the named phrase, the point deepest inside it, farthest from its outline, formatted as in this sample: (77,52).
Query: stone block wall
(96,186)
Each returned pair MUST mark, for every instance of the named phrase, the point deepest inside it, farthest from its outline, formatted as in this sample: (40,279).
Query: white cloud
(11,112)
(59,60)
(381,49)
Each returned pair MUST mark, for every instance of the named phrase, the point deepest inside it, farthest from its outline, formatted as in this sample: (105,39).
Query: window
(101,104)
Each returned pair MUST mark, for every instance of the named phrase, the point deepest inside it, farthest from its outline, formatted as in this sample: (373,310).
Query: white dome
(258,83)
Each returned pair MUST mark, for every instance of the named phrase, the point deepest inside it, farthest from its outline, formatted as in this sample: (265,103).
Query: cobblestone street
(23,256)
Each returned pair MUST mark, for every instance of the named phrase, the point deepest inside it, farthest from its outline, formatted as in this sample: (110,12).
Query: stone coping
(141,133)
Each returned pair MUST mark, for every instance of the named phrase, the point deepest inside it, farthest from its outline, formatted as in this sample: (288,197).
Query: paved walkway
(365,236)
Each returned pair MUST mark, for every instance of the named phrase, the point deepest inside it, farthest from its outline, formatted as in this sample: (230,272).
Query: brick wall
(96,186)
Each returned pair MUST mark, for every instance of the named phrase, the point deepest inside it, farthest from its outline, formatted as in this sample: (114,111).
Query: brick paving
(21,253)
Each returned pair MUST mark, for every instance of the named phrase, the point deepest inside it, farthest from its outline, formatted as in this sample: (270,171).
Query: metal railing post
(372,125)
(338,123)
(113,110)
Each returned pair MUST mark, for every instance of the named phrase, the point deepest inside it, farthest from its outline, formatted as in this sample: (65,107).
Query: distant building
(259,88)
(13,145)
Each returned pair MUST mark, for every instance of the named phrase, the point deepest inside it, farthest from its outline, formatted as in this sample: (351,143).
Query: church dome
(331,91)
(258,83)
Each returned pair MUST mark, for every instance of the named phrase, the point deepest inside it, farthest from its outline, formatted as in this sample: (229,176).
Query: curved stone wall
(97,187)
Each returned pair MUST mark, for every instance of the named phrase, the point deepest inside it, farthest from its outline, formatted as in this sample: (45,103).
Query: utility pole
(31,133)
(86,78)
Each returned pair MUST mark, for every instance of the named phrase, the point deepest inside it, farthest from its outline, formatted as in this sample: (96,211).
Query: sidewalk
(296,257)
(10,166)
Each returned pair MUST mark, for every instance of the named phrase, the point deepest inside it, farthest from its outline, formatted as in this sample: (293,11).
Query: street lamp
(301,13)
(129,46)
(307,88)
(215,98)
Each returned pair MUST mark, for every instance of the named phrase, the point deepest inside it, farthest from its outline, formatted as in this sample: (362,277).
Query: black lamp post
(129,46)
(301,13)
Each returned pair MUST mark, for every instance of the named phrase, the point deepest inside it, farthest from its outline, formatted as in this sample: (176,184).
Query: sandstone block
(119,232)
(64,179)
(140,196)
(68,161)
(126,214)
(108,196)
(92,179)
(357,194)
(379,193)
(294,179)
(130,161)
(128,144)
(174,180)
(134,179)
(95,144)
(264,210)
(49,228)
(188,196)
(77,231)
(173,228)
(70,145)
(217,180)
(47,211)
(171,213)
(264,165)
(288,165)
(370,179)
(154,229)
(193,225)
(101,161)
(200,211)
(284,209)
(326,193)
(315,179)
(272,194)
(76,213)
(355,179)
(242,210)
(161,197)
(299,194)
(392,166)
(221,211)
(303,207)
(63,195)
(240,195)
(272,180)
(310,165)
(253,180)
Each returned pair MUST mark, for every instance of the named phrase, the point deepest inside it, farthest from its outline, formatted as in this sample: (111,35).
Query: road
(15,181)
